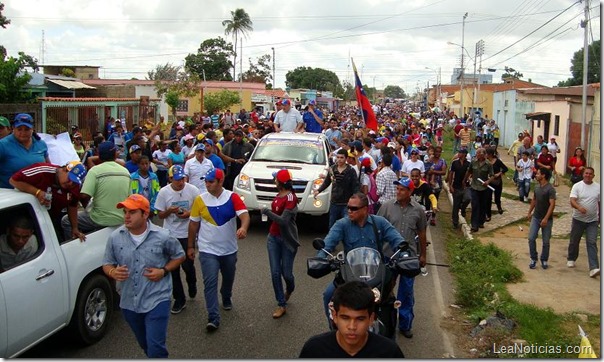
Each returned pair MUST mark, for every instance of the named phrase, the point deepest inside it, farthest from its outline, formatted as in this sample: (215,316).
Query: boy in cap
(63,183)
(131,258)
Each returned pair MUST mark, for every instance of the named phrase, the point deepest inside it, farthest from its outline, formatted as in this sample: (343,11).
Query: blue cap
(208,141)
(213,174)
(405,182)
(76,171)
(200,147)
(134,148)
(177,172)
(23,119)
(312,102)
(107,148)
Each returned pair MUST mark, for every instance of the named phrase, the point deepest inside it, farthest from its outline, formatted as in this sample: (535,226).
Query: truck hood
(259,169)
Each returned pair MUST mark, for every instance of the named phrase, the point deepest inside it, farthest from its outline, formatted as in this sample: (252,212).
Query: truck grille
(268,185)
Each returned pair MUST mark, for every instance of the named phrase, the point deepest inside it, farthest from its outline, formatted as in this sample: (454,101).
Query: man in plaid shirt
(385,178)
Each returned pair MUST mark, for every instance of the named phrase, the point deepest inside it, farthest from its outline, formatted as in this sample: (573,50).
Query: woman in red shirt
(577,164)
(282,239)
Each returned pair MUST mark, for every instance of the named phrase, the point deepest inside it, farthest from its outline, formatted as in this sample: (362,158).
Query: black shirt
(326,346)
(459,172)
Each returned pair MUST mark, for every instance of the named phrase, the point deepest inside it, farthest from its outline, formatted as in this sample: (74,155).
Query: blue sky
(391,41)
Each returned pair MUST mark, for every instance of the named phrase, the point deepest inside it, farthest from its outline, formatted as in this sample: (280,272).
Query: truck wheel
(93,310)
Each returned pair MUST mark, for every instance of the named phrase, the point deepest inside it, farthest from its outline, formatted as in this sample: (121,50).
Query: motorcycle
(366,265)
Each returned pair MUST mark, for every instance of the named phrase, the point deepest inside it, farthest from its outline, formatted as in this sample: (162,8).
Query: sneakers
(570,264)
(279,312)
(178,307)
(212,326)
(227,304)
(533,264)
(407,333)
(544,264)
(525,199)
(594,273)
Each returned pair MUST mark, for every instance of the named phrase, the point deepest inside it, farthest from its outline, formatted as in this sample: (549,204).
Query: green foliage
(238,25)
(3,20)
(67,72)
(394,91)
(217,101)
(14,78)
(172,100)
(511,73)
(313,78)
(260,71)
(348,91)
(164,72)
(213,58)
(593,66)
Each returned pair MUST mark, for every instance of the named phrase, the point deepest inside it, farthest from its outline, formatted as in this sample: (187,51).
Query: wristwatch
(166,272)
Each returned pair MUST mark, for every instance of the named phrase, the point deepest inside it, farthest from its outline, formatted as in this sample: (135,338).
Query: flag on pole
(363,101)
(586,350)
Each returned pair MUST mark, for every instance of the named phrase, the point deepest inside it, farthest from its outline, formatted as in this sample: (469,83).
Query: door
(33,288)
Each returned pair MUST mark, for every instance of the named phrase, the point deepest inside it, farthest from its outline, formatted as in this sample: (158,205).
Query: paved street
(248,331)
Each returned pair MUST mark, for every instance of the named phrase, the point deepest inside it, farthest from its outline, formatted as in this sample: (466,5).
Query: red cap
(366,162)
(283,176)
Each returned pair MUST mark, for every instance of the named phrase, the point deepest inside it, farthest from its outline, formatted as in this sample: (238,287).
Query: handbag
(575,178)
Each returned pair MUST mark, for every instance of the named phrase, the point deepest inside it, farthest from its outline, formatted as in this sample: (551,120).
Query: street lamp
(463,31)
(438,95)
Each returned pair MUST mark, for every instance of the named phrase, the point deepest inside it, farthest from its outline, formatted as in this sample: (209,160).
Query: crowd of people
(389,178)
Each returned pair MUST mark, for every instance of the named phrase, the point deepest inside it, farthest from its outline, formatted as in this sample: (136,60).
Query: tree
(164,72)
(238,25)
(394,91)
(217,101)
(348,91)
(259,72)
(213,58)
(593,66)
(68,72)
(3,20)
(14,78)
(511,73)
(172,100)
(313,78)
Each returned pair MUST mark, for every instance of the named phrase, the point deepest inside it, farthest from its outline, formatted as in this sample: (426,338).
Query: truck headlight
(244,182)
(317,183)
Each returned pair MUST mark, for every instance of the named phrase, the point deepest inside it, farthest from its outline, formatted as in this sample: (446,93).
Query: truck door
(33,287)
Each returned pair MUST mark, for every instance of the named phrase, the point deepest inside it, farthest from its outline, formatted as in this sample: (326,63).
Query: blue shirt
(131,166)
(353,236)
(217,161)
(396,164)
(14,156)
(330,134)
(311,123)
(177,158)
(138,293)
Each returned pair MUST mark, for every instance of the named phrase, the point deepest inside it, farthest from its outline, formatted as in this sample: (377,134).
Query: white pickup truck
(60,285)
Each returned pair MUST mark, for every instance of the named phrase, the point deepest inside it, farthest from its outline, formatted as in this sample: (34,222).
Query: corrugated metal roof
(70,84)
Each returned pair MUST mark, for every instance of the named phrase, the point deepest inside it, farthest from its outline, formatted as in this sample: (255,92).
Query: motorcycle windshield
(363,262)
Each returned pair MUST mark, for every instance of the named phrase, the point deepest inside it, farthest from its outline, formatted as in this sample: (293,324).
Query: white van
(306,155)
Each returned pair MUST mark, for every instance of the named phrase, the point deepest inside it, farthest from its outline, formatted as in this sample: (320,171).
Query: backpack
(372,194)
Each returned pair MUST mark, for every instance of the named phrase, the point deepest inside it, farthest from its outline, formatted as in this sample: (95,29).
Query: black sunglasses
(354,208)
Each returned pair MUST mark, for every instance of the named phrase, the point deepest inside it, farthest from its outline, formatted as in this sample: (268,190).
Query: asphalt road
(249,331)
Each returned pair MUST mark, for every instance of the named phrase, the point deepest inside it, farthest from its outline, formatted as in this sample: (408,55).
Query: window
(18,229)
(183,105)
(556,125)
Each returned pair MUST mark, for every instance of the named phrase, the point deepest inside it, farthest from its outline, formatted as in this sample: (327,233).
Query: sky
(392,42)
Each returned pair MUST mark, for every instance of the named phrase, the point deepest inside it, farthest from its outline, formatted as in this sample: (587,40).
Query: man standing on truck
(64,186)
(108,183)
(141,256)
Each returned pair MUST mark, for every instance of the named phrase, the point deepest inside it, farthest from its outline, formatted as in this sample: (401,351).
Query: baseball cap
(23,119)
(350,154)
(189,137)
(209,142)
(414,151)
(285,102)
(354,143)
(136,129)
(200,147)
(391,144)
(201,136)
(283,176)
(134,148)
(4,122)
(176,172)
(213,174)
(365,162)
(107,148)
(553,138)
(134,202)
(76,171)
(312,102)
(405,182)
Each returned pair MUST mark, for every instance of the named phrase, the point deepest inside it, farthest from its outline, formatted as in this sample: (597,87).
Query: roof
(100,99)
(493,87)
(535,114)
(208,84)
(563,91)
(70,84)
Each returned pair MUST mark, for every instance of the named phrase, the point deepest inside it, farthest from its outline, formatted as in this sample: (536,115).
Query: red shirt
(279,204)
(545,160)
(458,127)
(43,175)
(576,163)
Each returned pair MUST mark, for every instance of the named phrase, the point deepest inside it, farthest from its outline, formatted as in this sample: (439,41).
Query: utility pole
(477,53)
(585,71)
(463,31)
(274,81)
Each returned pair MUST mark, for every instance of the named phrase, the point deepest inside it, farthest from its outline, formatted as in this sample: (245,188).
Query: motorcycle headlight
(244,182)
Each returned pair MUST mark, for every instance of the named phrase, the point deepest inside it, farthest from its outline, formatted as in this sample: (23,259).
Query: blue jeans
(405,295)
(524,188)
(281,260)
(591,241)
(546,234)
(150,329)
(327,294)
(210,266)
(336,212)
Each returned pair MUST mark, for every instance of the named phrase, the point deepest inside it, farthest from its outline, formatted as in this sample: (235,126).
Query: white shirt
(527,169)
(587,196)
(288,122)
(195,170)
(410,165)
(162,157)
(553,149)
(184,198)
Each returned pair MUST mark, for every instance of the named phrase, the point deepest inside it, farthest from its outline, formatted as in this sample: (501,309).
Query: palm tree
(239,24)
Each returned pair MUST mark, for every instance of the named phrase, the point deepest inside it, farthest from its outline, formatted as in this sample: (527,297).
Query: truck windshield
(284,150)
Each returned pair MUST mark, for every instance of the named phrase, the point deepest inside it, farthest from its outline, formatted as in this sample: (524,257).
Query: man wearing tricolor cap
(63,185)
(213,225)
(408,217)
(141,256)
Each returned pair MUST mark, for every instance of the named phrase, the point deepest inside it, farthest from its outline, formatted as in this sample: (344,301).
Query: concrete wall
(556,108)
(511,117)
